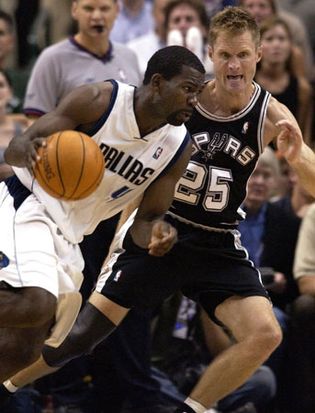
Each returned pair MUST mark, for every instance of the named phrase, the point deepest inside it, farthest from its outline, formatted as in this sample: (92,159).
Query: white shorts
(38,253)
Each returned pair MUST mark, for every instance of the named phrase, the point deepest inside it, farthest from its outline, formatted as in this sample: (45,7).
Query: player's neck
(223,103)
(93,45)
(147,116)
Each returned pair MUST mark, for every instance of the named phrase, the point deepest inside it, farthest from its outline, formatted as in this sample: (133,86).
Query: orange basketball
(71,165)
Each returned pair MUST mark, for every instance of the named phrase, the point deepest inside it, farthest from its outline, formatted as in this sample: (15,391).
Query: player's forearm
(141,230)
(304,166)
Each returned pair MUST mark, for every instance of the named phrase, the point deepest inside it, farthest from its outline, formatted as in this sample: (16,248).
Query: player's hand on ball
(25,152)
(163,237)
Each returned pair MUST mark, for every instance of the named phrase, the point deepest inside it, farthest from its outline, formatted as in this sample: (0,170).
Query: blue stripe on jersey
(105,115)
(180,150)
(17,190)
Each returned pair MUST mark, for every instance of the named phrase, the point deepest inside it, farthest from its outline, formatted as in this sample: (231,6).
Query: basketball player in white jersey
(146,148)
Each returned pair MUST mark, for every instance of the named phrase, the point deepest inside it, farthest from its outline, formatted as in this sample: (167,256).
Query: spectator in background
(177,22)
(9,126)
(302,333)
(144,46)
(305,10)
(134,20)
(275,72)
(6,38)
(7,48)
(262,9)
(186,24)
(269,232)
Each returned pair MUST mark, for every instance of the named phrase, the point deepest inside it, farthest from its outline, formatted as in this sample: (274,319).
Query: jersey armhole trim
(106,114)
(179,151)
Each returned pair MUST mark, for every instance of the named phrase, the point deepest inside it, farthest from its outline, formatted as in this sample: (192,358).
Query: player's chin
(179,118)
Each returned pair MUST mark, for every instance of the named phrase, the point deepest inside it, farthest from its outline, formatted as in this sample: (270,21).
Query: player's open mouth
(99,28)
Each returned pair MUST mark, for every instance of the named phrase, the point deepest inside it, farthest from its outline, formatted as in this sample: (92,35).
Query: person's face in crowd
(6,40)
(183,17)
(234,58)
(259,9)
(276,45)
(95,17)
(178,96)
(260,185)
(5,91)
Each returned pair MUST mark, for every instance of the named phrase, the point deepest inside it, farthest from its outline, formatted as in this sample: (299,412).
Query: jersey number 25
(206,185)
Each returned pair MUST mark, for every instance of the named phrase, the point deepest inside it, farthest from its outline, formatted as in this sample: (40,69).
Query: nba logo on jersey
(245,128)
(117,276)
(158,153)
(4,260)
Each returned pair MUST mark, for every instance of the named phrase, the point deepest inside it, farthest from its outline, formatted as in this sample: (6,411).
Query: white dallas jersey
(131,164)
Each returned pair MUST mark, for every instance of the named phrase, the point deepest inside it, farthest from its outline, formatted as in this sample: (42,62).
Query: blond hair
(233,20)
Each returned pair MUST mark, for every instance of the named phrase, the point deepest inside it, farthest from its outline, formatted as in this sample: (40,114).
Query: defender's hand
(289,140)
(163,237)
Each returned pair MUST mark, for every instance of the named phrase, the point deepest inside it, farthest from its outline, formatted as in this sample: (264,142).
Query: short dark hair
(8,19)
(197,5)
(233,20)
(169,62)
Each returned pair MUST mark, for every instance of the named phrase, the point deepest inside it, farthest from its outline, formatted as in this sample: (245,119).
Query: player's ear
(74,8)
(156,80)
(258,54)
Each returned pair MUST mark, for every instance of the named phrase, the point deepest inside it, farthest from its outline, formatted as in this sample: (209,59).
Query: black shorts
(206,266)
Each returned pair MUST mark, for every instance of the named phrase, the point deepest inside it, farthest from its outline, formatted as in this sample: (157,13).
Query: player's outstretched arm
(290,144)
(83,106)
(149,230)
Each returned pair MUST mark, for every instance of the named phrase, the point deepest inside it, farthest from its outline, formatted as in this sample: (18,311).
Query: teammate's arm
(282,126)
(83,106)
(148,229)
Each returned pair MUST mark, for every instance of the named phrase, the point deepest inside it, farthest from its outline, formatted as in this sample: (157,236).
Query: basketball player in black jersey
(232,123)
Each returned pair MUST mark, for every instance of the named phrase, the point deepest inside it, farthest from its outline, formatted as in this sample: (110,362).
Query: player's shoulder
(277,110)
(177,132)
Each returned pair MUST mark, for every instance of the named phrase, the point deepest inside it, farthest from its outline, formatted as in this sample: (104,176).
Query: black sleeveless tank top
(225,152)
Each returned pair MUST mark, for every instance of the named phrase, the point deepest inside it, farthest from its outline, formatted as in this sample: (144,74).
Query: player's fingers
(164,237)
(159,248)
(284,123)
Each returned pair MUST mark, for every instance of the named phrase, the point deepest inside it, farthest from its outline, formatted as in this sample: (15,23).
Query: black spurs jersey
(225,152)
